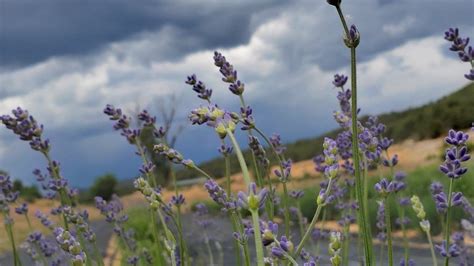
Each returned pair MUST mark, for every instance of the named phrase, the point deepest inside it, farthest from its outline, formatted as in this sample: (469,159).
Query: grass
(418,183)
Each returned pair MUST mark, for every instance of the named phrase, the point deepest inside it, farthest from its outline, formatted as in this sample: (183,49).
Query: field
(392,189)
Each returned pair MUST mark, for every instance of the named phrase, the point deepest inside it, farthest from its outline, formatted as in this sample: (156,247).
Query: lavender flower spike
(252,200)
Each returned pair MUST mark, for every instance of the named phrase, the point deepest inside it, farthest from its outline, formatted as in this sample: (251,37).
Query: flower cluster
(353,38)
(199,87)
(218,194)
(456,154)
(81,222)
(122,123)
(172,155)
(385,187)
(459,45)
(151,195)
(252,200)
(258,151)
(282,248)
(69,244)
(215,117)
(27,129)
(7,195)
(247,119)
(420,213)
(275,140)
(229,75)
(284,174)
(36,241)
(45,221)
(380,224)
(335,246)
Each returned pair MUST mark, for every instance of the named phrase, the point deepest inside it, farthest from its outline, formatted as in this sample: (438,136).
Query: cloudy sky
(65,60)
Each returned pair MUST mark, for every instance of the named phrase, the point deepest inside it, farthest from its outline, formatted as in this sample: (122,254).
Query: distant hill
(428,121)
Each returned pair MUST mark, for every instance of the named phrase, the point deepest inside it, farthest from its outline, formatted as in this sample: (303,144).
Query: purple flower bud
(23,209)
(441,202)
(297,194)
(334,2)
(452,251)
(436,187)
(470,75)
(177,200)
(191,80)
(147,118)
(353,39)
(409,263)
(456,138)
(457,199)
(339,80)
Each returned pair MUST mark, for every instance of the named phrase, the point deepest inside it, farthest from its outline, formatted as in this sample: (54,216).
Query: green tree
(28,193)
(104,186)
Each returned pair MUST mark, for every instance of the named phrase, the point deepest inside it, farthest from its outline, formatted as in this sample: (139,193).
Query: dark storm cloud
(32,31)
(383,24)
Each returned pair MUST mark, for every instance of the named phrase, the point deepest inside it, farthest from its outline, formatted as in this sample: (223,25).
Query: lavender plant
(344,167)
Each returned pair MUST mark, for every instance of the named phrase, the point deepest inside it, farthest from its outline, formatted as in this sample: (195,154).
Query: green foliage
(428,121)
(418,183)
(28,193)
(104,186)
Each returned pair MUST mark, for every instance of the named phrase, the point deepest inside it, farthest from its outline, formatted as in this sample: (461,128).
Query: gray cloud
(33,31)
(286,55)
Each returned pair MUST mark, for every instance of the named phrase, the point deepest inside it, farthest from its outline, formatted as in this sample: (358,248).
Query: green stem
(269,203)
(64,197)
(355,148)
(258,237)
(202,172)
(238,253)
(240,157)
(433,254)
(313,221)
(404,232)
(448,219)
(300,218)
(285,190)
(169,236)
(179,227)
(287,209)
(366,187)
(286,255)
(151,177)
(9,229)
(83,245)
(293,261)
(209,251)
(254,159)
(237,218)
(388,224)
(97,254)
(255,218)
(323,222)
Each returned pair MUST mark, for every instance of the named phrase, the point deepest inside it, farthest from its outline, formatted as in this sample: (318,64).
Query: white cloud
(399,28)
